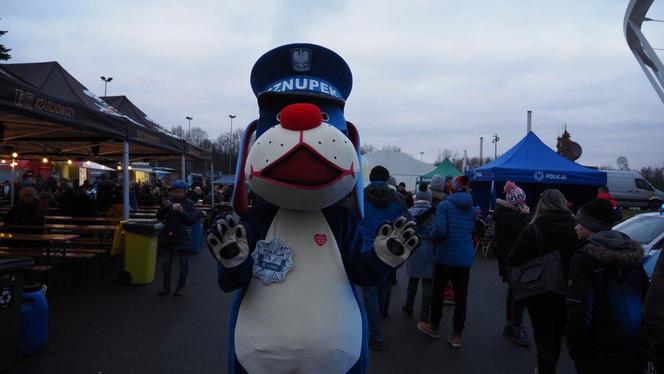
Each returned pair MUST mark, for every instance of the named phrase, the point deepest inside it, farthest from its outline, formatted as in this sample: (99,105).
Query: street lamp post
(189,118)
(230,146)
(495,140)
(106,80)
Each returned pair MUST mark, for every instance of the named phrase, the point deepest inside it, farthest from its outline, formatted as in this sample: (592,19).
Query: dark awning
(46,111)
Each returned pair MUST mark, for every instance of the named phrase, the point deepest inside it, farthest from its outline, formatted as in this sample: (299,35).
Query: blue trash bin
(197,235)
(34,318)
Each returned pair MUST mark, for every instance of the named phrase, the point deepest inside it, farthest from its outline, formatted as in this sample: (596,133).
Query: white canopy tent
(403,167)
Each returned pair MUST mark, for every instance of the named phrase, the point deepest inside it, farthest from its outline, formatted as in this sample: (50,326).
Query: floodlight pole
(106,80)
(212,182)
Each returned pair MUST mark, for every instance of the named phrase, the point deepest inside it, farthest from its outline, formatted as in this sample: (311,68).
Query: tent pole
(212,182)
(125,182)
(183,165)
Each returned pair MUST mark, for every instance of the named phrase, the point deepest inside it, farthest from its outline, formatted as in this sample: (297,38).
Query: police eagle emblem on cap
(301,59)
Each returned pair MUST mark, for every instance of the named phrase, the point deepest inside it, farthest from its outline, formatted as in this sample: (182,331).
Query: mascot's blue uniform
(296,257)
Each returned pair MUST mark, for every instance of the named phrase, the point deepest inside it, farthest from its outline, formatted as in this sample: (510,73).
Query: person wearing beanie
(419,265)
(454,224)
(458,184)
(177,214)
(551,230)
(438,189)
(511,216)
(607,287)
(381,204)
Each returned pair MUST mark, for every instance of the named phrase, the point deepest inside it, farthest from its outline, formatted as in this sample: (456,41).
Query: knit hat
(596,215)
(438,183)
(459,184)
(179,185)
(423,195)
(379,174)
(514,194)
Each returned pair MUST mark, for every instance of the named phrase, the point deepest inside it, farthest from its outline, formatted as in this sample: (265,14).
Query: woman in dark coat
(511,217)
(554,226)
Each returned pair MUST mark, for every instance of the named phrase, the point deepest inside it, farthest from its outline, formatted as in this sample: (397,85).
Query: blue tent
(532,164)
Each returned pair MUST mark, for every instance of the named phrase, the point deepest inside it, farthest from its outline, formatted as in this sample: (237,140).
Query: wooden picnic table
(62,227)
(18,237)
(143,215)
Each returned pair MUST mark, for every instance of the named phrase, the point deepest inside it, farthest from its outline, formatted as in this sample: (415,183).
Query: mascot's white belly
(310,322)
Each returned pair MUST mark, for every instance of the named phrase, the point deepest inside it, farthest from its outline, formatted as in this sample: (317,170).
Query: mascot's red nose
(300,117)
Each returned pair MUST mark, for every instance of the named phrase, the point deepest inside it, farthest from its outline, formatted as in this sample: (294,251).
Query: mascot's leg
(363,363)
(233,365)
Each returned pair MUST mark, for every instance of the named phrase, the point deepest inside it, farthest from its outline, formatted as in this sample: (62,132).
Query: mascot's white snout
(302,163)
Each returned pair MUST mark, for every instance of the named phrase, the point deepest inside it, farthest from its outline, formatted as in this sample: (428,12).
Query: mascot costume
(295,256)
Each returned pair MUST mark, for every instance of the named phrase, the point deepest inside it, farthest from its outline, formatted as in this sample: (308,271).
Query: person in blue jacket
(455,221)
(381,204)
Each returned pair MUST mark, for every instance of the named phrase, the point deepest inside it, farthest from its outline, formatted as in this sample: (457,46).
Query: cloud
(428,75)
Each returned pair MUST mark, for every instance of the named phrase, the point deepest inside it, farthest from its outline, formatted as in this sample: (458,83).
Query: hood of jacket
(419,207)
(380,194)
(614,248)
(462,200)
(552,223)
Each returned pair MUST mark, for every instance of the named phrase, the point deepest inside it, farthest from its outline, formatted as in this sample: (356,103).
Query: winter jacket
(509,222)
(557,233)
(606,289)
(454,225)
(408,198)
(420,262)
(382,205)
(177,226)
(653,316)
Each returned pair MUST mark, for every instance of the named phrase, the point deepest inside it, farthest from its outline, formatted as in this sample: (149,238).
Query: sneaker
(455,341)
(408,311)
(508,330)
(178,292)
(520,337)
(427,329)
(375,345)
(164,291)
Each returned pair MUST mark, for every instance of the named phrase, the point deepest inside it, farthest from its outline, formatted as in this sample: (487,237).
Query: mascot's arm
(229,245)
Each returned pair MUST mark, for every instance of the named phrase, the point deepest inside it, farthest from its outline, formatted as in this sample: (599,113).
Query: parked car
(630,189)
(647,229)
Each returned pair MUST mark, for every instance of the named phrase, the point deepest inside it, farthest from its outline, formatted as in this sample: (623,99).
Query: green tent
(445,168)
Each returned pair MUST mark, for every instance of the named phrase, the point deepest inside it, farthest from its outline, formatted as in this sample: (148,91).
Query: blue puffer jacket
(420,263)
(455,221)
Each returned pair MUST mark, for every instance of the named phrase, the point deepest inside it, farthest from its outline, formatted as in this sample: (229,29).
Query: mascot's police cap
(301,69)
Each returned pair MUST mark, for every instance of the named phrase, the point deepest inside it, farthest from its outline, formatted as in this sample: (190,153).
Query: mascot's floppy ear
(240,195)
(354,137)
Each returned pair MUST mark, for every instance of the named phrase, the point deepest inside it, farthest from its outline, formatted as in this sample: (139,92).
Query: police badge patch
(272,260)
(300,59)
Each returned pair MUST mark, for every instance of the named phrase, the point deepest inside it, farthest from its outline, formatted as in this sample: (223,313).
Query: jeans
(513,310)
(459,278)
(548,316)
(426,297)
(373,313)
(183,257)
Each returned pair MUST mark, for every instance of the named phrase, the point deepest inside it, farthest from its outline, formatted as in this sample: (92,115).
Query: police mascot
(296,255)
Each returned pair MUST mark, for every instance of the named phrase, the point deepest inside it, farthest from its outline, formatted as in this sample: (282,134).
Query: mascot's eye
(325,117)
(279,117)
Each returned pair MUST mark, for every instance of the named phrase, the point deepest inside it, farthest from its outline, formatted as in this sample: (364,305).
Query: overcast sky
(428,75)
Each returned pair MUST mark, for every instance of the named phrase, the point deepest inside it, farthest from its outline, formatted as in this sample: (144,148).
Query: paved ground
(129,329)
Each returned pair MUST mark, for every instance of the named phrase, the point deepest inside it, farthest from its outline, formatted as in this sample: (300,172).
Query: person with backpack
(419,265)
(511,216)
(607,286)
(551,230)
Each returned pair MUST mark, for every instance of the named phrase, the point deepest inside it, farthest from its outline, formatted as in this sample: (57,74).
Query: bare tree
(446,154)
(394,148)
(367,148)
(178,131)
(197,135)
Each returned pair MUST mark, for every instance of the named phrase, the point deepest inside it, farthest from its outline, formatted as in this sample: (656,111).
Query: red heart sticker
(320,239)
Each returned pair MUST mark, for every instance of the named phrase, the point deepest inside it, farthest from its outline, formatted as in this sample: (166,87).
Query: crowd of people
(599,311)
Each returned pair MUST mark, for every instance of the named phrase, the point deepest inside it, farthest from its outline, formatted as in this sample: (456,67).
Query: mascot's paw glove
(227,241)
(395,242)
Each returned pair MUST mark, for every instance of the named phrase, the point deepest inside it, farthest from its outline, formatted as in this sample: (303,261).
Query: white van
(630,189)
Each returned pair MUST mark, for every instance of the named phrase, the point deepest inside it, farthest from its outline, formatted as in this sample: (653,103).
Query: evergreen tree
(4,52)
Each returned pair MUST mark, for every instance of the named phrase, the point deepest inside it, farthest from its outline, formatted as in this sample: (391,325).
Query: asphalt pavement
(109,328)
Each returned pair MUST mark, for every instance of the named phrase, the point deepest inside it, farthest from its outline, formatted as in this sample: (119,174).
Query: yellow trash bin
(140,250)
